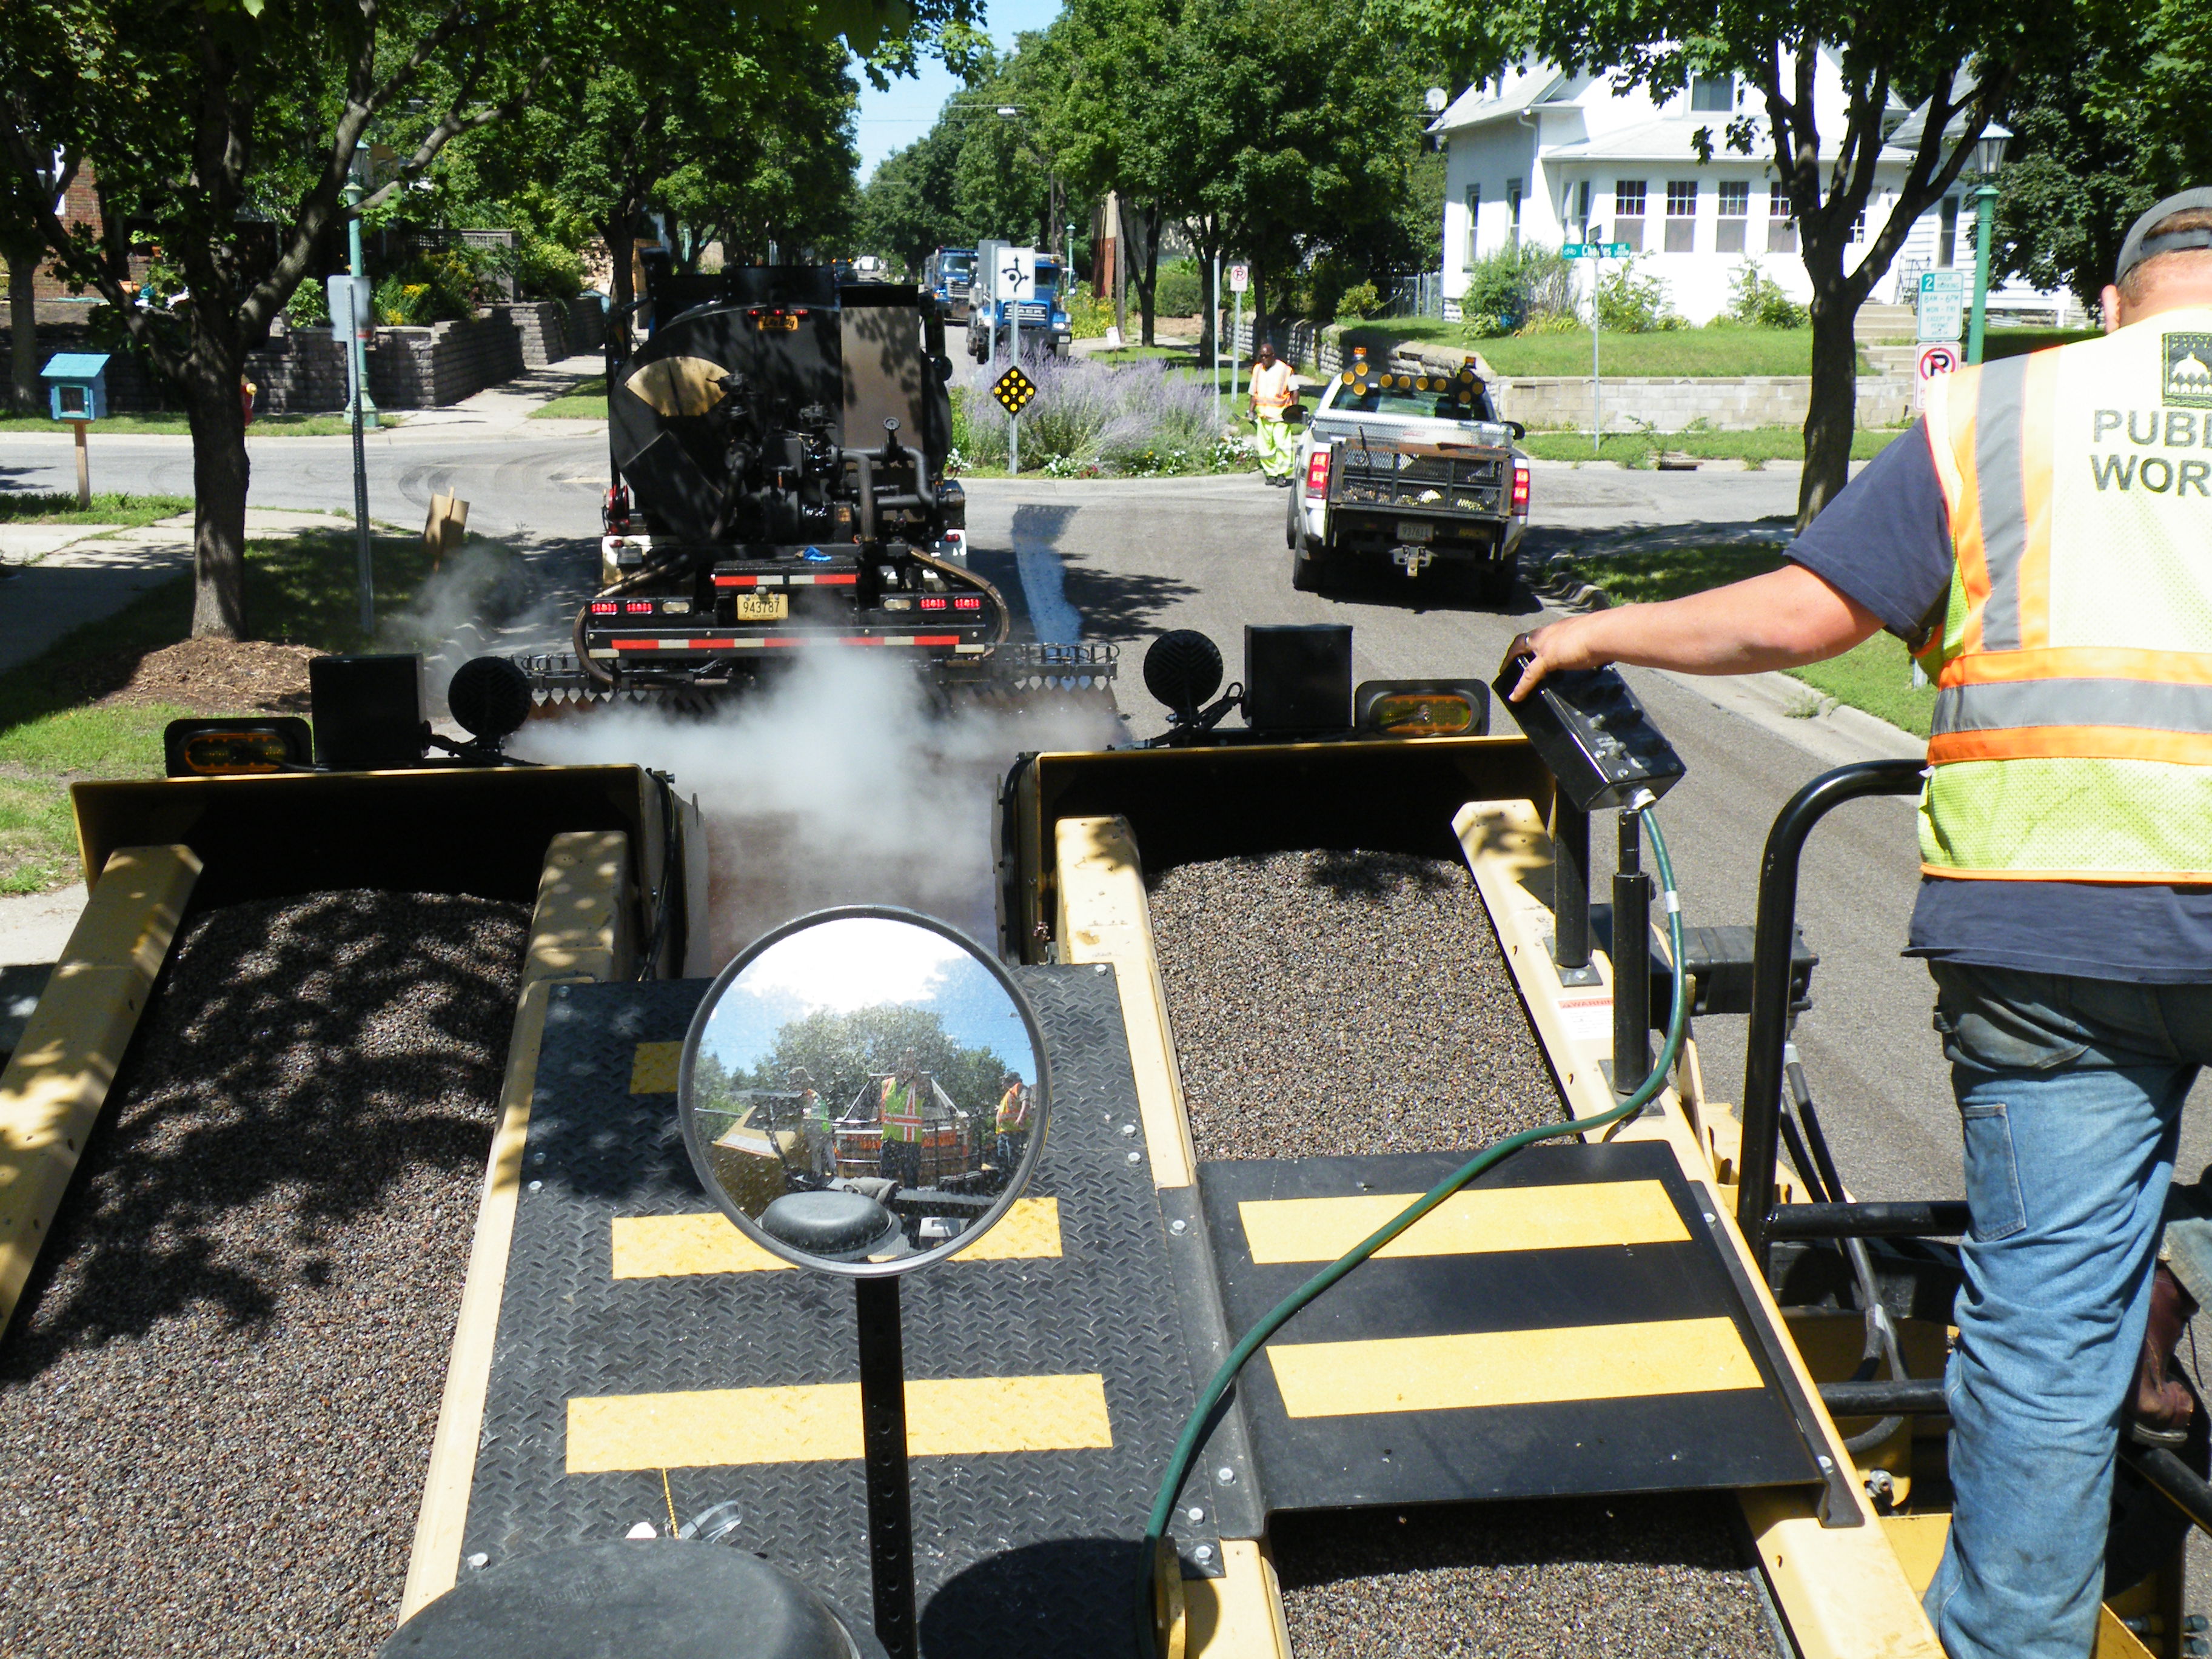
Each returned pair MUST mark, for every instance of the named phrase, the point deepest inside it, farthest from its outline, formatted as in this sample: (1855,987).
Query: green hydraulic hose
(1193,1432)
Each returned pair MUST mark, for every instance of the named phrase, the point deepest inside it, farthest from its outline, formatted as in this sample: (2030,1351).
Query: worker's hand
(1554,649)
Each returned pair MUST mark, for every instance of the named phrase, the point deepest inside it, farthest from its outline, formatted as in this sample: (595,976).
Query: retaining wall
(1658,403)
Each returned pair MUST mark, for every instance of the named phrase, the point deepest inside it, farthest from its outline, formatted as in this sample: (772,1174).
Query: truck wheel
(1311,575)
(1495,585)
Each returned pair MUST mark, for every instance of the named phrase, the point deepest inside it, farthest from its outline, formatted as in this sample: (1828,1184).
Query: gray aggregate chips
(1331,1004)
(216,1401)
(1341,1004)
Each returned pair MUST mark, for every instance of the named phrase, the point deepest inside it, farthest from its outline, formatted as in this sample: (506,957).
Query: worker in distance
(2043,543)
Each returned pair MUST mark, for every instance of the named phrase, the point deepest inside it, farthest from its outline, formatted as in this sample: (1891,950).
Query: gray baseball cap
(2141,246)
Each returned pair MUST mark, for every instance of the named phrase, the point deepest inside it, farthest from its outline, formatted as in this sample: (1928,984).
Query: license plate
(1411,530)
(763,607)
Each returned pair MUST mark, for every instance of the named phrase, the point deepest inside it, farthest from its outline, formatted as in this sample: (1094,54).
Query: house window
(1628,212)
(1513,204)
(1682,216)
(1716,92)
(1574,209)
(1474,218)
(1946,239)
(1735,209)
(1781,227)
(1858,228)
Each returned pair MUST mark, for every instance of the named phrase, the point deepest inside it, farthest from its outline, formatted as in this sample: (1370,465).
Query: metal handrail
(1770,976)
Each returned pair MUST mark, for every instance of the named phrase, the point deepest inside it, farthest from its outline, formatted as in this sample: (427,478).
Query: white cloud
(858,961)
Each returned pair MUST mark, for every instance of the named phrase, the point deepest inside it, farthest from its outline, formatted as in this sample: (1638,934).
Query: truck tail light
(935,603)
(1521,488)
(638,608)
(606,607)
(1317,472)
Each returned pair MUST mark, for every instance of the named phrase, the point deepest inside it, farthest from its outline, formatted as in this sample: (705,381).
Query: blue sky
(862,962)
(892,120)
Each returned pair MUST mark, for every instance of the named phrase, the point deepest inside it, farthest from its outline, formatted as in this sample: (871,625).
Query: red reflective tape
(736,581)
(635,644)
(845,580)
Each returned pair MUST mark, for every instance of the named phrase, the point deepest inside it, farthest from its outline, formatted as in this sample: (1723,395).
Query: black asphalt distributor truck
(777,439)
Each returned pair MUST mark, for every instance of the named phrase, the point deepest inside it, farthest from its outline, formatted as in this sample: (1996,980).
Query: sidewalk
(55,577)
(506,407)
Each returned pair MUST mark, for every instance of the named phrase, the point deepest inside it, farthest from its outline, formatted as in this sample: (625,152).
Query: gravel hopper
(778,439)
(368,1236)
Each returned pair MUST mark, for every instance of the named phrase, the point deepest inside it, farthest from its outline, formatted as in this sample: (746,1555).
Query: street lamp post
(356,359)
(1988,156)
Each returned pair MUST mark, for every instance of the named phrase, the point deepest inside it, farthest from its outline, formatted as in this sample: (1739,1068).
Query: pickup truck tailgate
(1423,477)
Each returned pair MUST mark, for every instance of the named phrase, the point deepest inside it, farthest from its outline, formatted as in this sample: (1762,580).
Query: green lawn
(54,731)
(59,507)
(1876,677)
(1758,444)
(1718,348)
(588,402)
(172,425)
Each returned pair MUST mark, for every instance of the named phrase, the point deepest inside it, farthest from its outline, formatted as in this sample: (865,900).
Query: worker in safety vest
(2043,541)
(1271,397)
(815,1126)
(1011,1124)
(899,1112)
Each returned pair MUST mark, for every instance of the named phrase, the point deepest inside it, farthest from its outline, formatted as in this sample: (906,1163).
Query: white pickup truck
(1408,467)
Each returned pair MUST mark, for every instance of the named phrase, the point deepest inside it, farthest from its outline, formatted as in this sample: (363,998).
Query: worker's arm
(1784,619)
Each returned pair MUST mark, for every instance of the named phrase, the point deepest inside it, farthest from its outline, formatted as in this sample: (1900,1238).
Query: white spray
(836,785)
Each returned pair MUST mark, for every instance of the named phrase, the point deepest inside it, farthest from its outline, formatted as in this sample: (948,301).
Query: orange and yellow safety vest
(901,1110)
(2072,738)
(1013,1111)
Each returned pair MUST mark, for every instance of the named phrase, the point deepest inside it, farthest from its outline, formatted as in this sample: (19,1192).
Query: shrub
(1551,322)
(431,287)
(1757,299)
(1359,301)
(1088,418)
(1509,289)
(309,305)
(1089,314)
(1628,303)
(1179,292)
(543,270)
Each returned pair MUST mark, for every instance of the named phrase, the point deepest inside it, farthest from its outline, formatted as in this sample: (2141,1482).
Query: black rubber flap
(614,1600)
(1634,1316)
(837,1226)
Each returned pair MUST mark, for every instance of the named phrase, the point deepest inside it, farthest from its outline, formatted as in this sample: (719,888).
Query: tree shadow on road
(1120,604)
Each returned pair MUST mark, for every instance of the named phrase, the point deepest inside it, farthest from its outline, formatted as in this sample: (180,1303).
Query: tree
(232,126)
(1954,66)
(2096,141)
(841,1051)
(20,246)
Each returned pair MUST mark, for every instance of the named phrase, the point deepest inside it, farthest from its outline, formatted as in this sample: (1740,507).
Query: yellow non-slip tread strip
(1105,917)
(579,933)
(1471,1370)
(56,1083)
(704,1241)
(653,1068)
(1484,1221)
(953,1417)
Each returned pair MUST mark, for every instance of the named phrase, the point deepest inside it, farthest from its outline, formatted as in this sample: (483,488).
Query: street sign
(1240,278)
(1596,250)
(1013,390)
(1942,305)
(1576,251)
(1936,357)
(1013,274)
(350,307)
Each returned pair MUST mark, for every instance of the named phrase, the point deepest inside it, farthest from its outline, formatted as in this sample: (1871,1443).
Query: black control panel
(1587,727)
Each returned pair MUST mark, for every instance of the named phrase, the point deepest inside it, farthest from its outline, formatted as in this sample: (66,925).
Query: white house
(1547,156)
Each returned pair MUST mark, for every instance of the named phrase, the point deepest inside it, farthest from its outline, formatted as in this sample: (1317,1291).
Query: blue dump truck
(1043,319)
(946,273)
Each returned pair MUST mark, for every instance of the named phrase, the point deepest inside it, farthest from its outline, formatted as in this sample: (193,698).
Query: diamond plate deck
(1012,1550)
(1620,1308)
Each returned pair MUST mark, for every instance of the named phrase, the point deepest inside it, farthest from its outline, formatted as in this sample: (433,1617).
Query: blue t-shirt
(1886,542)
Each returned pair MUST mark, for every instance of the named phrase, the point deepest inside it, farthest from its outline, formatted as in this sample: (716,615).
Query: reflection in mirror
(863,1092)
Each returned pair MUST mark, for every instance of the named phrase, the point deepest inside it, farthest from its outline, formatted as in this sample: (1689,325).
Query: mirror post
(883,1445)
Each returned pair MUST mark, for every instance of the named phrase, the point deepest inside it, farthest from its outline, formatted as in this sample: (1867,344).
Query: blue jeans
(2070,1095)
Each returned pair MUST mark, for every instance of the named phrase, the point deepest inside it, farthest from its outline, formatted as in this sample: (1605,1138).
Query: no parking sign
(1936,357)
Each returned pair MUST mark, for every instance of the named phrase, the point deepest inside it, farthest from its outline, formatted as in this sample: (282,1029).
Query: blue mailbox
(78,382)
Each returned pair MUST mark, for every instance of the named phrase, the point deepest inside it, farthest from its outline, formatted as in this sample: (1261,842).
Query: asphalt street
(1121,560)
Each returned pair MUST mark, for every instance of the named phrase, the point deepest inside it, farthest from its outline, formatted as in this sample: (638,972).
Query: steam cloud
(834,785)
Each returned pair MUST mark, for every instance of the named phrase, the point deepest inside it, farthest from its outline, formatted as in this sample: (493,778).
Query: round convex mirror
(864,1090)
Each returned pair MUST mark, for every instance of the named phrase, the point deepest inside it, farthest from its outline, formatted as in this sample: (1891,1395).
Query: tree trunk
(1147,227)
(220,475)
(1831,410)
(1209,310)
(24,320)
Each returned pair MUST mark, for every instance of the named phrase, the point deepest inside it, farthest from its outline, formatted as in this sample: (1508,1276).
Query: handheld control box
(1589,728)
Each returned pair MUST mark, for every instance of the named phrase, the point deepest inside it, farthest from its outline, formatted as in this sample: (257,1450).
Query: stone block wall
(540,329)
(435,367)
(301,371)
(1662,404)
